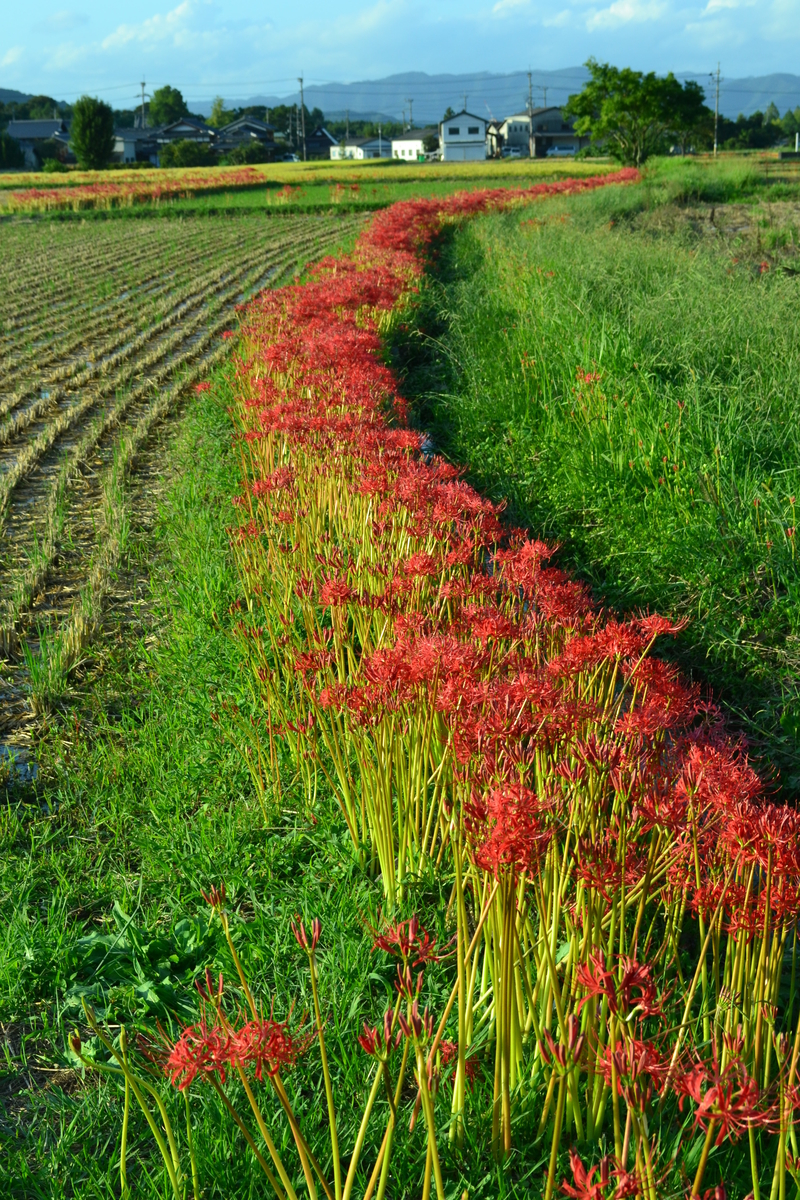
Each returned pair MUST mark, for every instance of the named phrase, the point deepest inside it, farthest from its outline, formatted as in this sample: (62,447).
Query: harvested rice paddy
(104,330)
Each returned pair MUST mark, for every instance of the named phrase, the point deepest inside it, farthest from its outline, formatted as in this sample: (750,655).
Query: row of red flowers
(624,895)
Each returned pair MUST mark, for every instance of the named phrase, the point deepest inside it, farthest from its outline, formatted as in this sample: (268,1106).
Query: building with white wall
(463,138)
(410,146)
(365,147)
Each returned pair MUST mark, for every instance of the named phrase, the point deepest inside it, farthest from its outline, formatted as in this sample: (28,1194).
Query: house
(547,128)
(515,134)
(245,131)
(135,145)
(320,143)
(410,145)
(365,147)
(32,136)
(185,129)
(494,139)
(463,138)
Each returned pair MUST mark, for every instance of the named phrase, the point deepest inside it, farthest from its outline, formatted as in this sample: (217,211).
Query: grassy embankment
(141,800)
(671,477)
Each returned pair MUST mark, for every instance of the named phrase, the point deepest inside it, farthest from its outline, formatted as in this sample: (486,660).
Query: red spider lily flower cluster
(206,1049)
(473,711)
(139,190)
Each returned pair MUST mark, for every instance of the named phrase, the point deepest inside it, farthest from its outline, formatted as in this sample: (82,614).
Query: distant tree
(186,153)
(219,114)
(448,114)
(430,143)
(771,116)
(92,132)
(167,105)
(632,113)
(11,154)
(790,122)
(249,152)
(692,121)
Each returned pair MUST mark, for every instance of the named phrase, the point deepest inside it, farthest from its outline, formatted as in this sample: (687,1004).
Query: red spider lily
(449,1053)
(202,387)
(268,1045)
(639,1068)
(199,1050)
(407,940)
(630,992)
(379,1043)
(302,938)
(562,1054)
(216,896)
(211,992)
(418,1025)
(585,1186)
(728,1099)
(335,592)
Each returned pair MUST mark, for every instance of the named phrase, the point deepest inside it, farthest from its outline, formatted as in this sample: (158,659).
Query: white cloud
(172,26)
(11,56)
(559,20)
(505,6)
(626,12)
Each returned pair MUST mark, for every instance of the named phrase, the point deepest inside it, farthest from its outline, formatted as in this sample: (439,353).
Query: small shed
(410,146)
(463,138)
(365,147)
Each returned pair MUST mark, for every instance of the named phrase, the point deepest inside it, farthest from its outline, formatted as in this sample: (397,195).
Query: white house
(371,147)
(410,145)
(515,134)
(463,138)
(549,130)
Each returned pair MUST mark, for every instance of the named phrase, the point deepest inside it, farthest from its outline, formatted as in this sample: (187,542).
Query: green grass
(668,482)
(142,800)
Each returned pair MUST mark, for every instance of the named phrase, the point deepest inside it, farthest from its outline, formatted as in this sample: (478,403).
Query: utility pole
(303,117)
(410,104)
(380,143)
(716,114)
(143,116)
(347,125)
(465,101)
(404,121)
(530,116)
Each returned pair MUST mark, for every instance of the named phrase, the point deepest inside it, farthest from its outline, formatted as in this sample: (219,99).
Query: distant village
(459,137)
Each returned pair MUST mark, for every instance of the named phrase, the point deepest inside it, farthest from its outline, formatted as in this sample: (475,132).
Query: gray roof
(27,130)
(416,135)
(464,113)
(135,134)
(243,122)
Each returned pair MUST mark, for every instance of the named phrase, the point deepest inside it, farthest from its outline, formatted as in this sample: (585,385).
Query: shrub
(186,154)
(253,152)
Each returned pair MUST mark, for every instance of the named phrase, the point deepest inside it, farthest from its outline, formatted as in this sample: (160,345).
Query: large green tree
(167,105)
(632,114)
(92,132)
(10,152)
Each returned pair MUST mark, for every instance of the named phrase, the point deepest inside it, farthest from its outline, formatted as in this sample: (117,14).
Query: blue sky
(240,48)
